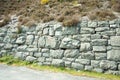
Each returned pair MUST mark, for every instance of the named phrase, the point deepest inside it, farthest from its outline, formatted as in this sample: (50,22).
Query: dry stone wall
(91,45)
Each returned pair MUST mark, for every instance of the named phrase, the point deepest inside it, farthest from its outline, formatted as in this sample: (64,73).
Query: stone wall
(91,45)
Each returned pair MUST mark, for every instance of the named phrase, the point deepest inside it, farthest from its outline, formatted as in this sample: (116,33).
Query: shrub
(71,22)
(116,7)
(4,21)
(44,1)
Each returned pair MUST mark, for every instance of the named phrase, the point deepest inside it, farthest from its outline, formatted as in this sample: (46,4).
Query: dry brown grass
(59,10)
(101,15)
(4,20)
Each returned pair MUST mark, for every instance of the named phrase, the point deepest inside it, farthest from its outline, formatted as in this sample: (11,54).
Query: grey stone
(19,55)
(71,53)
(46,31)
(8,46)
(22,48)
(95,63)
(48,59)
(87,55)
(100,29)
(35,42)
(1,39)
(69,43)
(115,41)
(41,42)
(84,23)
(98,70)
(68,59)
(119,67)
(88,68)
(113,72)
(56,53)
(51,42)
(92,24)
(47,63)
(83,61)
(103,24)
(1,45)
(105,64)
(2,34)
(6,39)
(46,54)
(95,36)
(21,40)
(99,42)
(113,55)
(70,30)
(29,39)
(58,62)
(99,48)
(77,66)
(116,48)
(68,64)
(87,30)
(100,56)
(41,59)
(85,37)
(108,33)
(32,49)
(85,47)
(45,51)
(37,54)
(51,31)
(118,31)
(30,58)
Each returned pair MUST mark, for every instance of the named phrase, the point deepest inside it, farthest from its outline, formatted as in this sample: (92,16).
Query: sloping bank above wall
(93,46)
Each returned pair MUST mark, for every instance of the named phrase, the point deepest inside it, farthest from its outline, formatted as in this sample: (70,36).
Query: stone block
(113,55)
(87,31)
(71,53)
(100,56)
(41,42)
(88,55)
(51,42)
(105,64)
(92,24)
(30,58)
(99,48)
(99,42)
(58,62)
(21,40)
(85,47)
(29,39)
(57,54)
(69,43)
(83,61)
(77,66)
(95,63)
(115,41)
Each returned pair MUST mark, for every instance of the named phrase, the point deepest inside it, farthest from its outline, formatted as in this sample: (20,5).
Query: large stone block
(85,47)
(85,37)
(58,62)
(71,53)
(115,41)
(30,58)
(70,30)
(99,42)
(100,56)
(56,53)
(21,40)
(99,29)
(113,55)
(51,42)
(69,43)
(77,66)
(92,24)
(29,39)
(95,63)
(88,55)
(87,30)
(105,64)
(41,42)
(83,61)
(99,48)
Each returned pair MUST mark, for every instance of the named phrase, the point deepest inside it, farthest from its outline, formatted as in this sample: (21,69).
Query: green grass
(9,60)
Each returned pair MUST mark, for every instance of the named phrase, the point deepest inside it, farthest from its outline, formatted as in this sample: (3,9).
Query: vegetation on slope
(61,10)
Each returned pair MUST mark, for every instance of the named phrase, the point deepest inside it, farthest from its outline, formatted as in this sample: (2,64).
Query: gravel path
(23,73)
